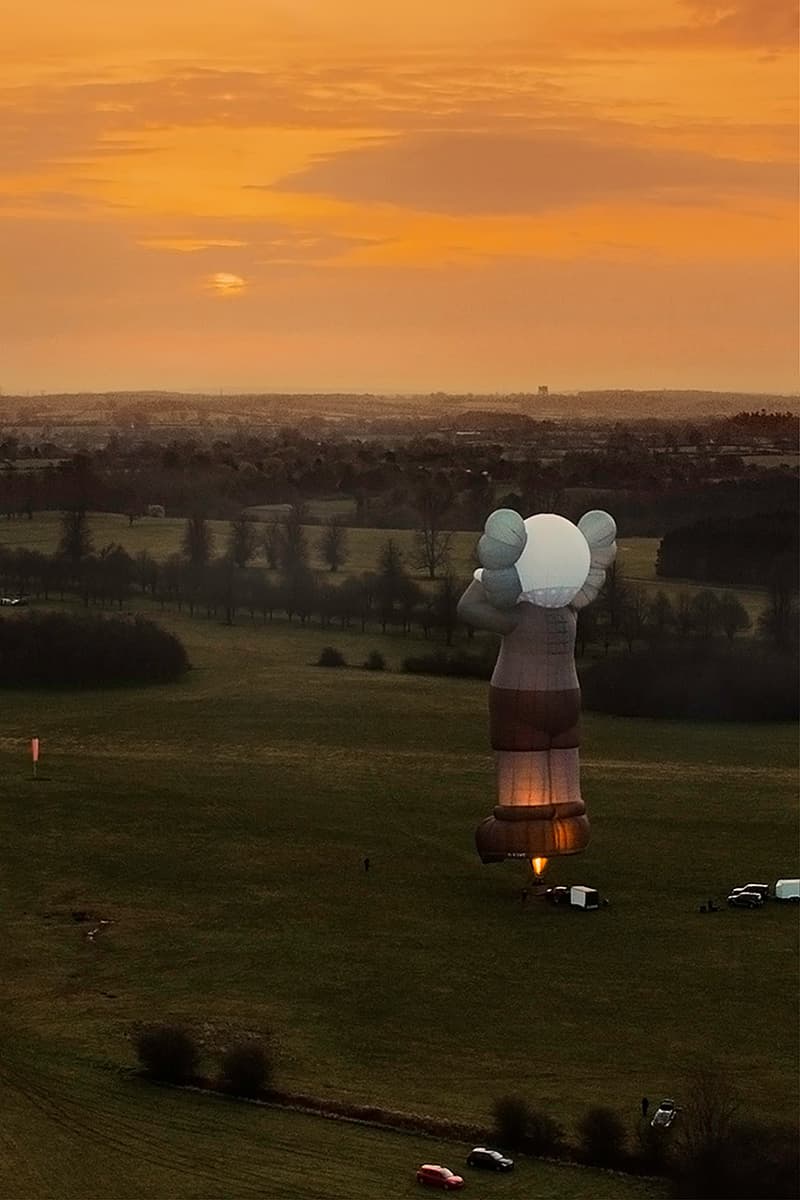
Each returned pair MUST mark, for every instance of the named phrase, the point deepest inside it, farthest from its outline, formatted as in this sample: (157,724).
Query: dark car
(489,1160)
(557,895)
(745,899)
(439,1177)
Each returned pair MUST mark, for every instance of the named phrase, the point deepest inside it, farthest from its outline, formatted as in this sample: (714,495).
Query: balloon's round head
(544,559)
(554,564)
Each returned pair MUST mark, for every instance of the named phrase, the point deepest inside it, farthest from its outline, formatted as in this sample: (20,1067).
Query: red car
(439,1177)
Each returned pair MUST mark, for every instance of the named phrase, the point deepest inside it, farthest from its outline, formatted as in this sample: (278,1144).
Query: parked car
(13,601)
(489,1160)
(664,1115)
(439,1177)
(745,899)
(558,895)
(761,888)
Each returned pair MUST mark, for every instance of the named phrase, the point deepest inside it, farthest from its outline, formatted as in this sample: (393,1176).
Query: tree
(611,604)
(705,611)
(241,541)
(298,592)
(633,618)
(706,1131)
(733,616)
(431,541)
(778,621)
(293,545)
(76,540)
(684,615)
(602,1137)
(167,1052)
(660,617)
(445,603)
(246,1069)
(272,543)
(115,573)
(511,1115)
(146,569)
(333,543)
(391,579)
(198,541)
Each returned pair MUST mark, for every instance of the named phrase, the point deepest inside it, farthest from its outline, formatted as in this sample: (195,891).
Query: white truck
(584,897)
(788,889)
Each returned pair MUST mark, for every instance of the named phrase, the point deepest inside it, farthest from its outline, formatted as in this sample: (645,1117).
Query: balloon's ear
(503,539)
(599,528)
(502,587)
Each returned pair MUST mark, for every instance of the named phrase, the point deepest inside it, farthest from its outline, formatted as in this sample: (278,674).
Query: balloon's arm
(474,609)
(601,558)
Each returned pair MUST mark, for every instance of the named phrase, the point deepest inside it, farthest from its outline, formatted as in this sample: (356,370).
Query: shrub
(695,683)
(375,661)
(748,1161)
(167,1052)
(545,1136)
(601,1137)
(511,1115)
(653,1152)
(520,1127)
(246,1069)
(61,650)
(330,657)
(464,666)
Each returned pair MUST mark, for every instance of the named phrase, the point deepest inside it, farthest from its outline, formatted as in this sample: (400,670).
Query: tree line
(750,550)
(226,584)
(648,480)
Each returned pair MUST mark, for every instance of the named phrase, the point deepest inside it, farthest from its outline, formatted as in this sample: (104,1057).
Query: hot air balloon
(535,576)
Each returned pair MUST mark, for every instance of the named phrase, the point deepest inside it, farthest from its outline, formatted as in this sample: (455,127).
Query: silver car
(664,1115)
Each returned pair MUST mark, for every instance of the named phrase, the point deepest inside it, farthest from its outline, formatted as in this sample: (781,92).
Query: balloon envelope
(555,562)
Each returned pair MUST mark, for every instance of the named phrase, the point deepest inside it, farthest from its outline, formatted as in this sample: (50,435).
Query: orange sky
(411,195)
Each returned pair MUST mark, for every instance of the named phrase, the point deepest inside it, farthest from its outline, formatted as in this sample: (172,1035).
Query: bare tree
(76,540)
(431,540)
(272,543)
(293,546)
(332,544)
(242,543)
(706,1131)
(198,541)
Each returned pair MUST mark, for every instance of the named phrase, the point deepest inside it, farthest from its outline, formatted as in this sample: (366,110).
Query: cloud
(474,173)
(756,24)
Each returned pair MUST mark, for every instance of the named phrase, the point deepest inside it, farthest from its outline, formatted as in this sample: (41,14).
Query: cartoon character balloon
(535,576)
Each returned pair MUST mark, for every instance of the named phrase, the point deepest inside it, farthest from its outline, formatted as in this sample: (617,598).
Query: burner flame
(539,866)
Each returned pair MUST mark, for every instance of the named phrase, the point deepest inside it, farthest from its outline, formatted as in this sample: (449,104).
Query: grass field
(100,1135)
(220,824)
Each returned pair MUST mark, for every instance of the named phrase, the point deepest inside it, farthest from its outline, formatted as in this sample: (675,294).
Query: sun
(224,283)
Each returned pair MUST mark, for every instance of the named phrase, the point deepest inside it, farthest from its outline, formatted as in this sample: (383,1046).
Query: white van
(788,889)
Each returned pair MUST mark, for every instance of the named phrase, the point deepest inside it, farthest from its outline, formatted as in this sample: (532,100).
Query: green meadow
(220,825)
